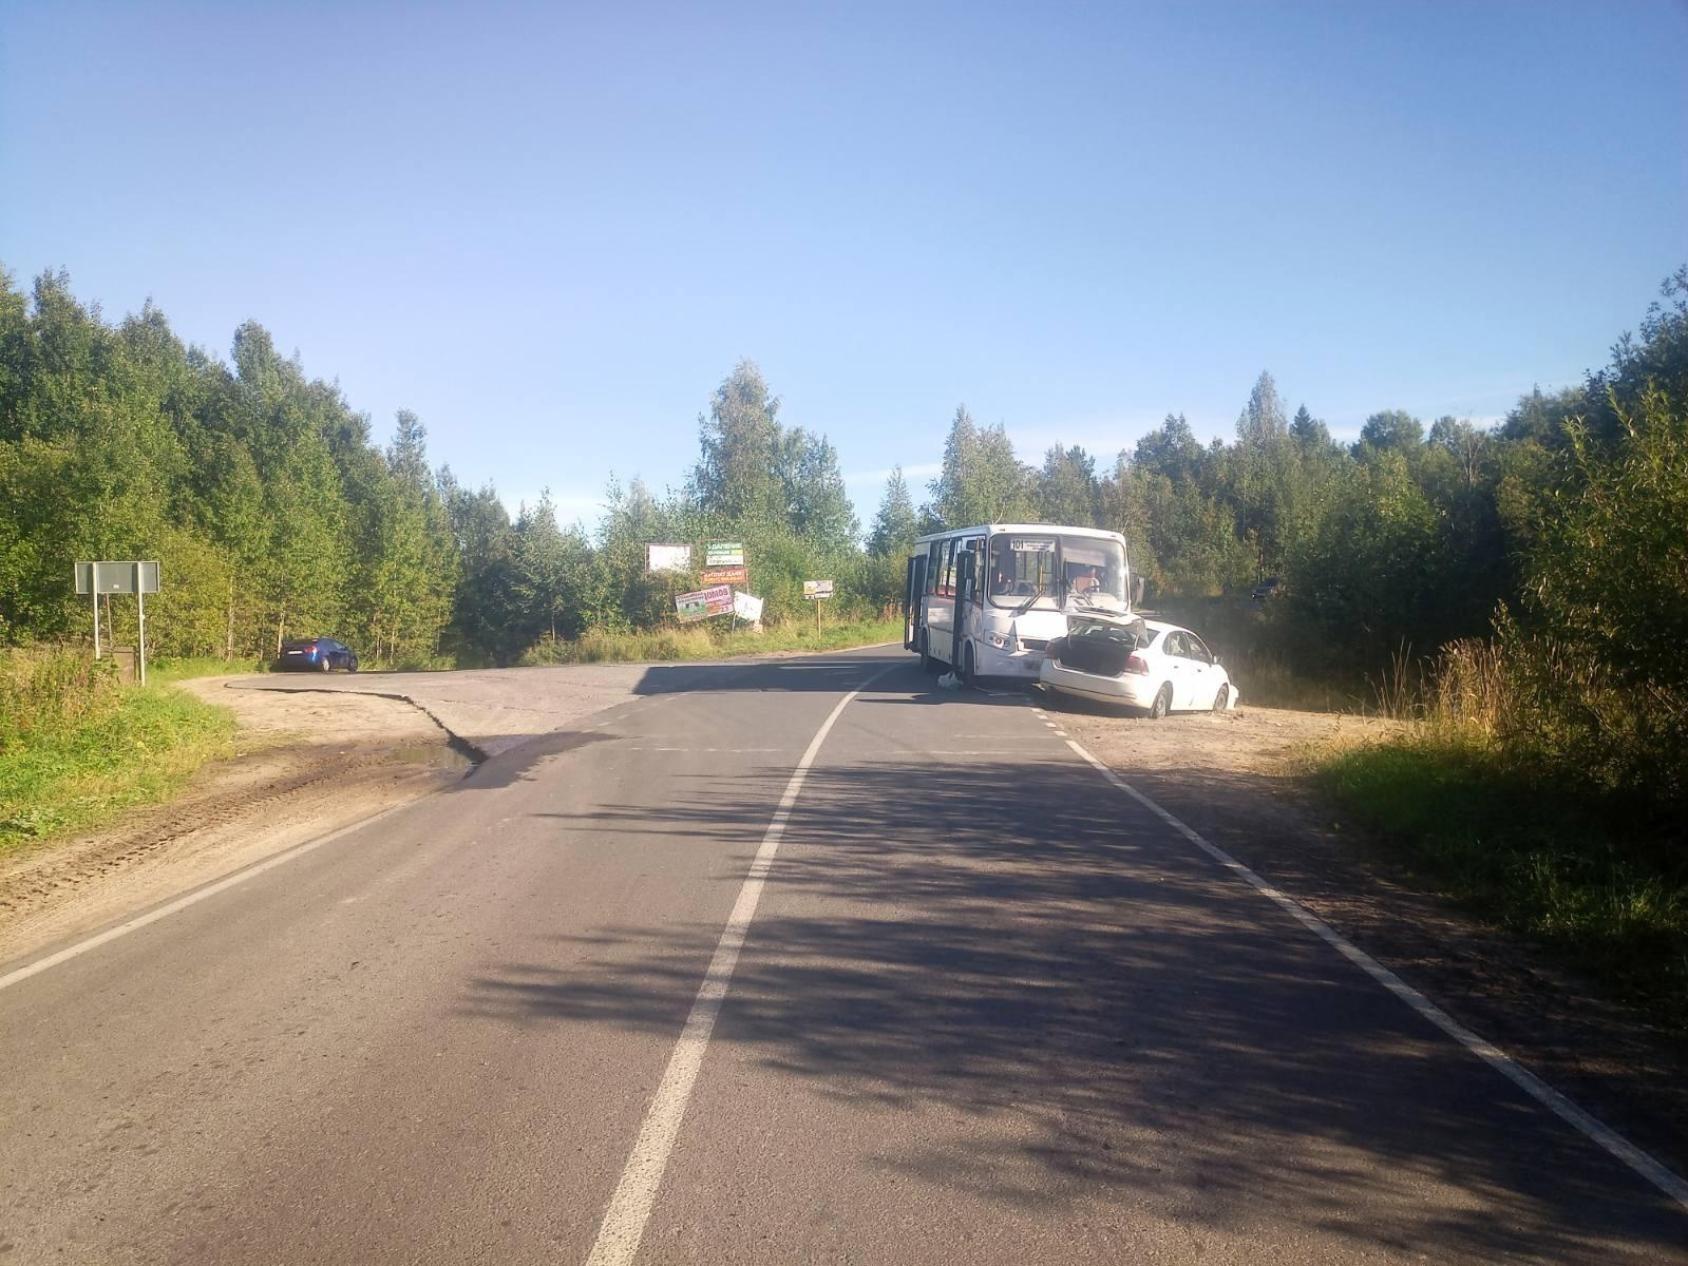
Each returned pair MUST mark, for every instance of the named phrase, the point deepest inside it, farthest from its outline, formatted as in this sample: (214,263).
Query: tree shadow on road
(1098,1012)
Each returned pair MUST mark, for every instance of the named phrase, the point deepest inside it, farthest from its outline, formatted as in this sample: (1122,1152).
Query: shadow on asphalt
(1112,1017)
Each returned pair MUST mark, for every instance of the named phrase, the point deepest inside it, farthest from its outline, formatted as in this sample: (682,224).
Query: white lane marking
(182,903)
(1493,1056)
(630,1207)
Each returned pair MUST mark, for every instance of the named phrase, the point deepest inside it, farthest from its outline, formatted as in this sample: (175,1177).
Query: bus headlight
(998,640)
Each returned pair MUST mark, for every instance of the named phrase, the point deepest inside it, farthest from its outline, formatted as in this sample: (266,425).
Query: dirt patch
(308,764)
(1237,778)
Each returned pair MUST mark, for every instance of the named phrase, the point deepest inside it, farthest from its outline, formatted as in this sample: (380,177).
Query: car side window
(1199,651)
(1173,644)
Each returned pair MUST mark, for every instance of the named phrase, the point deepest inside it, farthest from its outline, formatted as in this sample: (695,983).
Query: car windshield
(1048,571)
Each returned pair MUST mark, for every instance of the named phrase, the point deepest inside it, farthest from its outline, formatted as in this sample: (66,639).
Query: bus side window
(977,545)
(935,566)
(948,589)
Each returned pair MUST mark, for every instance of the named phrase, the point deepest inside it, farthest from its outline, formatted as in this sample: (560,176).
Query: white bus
(1014,584)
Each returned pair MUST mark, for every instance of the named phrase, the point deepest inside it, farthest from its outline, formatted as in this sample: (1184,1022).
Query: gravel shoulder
(1238,778)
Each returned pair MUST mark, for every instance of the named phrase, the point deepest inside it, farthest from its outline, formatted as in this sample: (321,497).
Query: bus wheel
(927,663)
(967,670)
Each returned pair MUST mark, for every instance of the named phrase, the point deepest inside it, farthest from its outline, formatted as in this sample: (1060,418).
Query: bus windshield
(1049,571)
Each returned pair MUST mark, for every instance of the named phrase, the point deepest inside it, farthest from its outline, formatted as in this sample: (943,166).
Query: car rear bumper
(1131,689)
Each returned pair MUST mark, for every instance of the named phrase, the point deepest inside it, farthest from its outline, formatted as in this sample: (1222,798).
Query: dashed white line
(630,1207)
(1609,1139)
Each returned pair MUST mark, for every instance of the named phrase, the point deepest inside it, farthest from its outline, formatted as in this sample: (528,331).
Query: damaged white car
(1159,668)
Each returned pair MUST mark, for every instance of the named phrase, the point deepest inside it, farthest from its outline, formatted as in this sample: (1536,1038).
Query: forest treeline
(275,512)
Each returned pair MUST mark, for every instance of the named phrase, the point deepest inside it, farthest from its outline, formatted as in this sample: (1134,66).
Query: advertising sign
(703,603)
(724,554)
(817,589)
(725,575)
(668,558)
(747,608)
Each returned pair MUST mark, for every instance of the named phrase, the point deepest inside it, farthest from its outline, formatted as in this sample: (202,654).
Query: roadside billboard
(703,603)
(668,558)
(725,575)
(816,589)
(724,554)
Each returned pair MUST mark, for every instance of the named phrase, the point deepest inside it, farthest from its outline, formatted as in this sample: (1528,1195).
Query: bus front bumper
(1001,662)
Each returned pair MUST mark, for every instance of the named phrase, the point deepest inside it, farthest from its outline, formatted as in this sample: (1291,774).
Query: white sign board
(816,589)
(668,558)
(747,608)
(724,554)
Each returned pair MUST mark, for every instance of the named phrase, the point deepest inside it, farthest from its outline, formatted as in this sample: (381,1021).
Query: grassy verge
(599,647)
(137,749)
(1580,873)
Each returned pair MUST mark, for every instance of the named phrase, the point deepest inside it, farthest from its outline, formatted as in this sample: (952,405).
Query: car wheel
(326,664)
(352,664)
(1162,704)
(1222,698)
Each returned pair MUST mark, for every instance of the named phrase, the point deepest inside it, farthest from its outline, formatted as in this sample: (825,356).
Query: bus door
(914,593)
(940,600)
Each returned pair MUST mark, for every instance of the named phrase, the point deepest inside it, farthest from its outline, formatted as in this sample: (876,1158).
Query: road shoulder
(1235,780)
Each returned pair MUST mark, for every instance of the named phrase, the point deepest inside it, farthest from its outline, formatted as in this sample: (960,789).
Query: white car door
(1177,661)
(1204,678)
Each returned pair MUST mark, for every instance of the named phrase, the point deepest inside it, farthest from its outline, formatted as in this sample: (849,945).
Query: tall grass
(76,748)
(1519,787)
(45,692)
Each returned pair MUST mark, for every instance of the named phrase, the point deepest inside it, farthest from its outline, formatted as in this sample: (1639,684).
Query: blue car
(316,655)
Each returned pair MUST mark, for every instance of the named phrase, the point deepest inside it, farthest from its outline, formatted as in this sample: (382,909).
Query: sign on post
(137,577)
(131,577)
(668,558)
(817,589)
(703,603)
(747,608)
(725,575)
(724,554)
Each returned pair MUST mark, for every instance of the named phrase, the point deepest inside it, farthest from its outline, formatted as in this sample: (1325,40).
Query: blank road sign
(120,577)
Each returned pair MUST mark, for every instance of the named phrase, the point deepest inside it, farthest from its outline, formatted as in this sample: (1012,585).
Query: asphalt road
(988,1009)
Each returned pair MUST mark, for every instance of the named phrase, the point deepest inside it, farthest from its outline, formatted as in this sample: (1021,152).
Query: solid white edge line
(1609,1139)
(193,898)
(630,1207)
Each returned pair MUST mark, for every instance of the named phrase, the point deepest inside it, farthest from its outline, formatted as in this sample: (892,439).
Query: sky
(553,230)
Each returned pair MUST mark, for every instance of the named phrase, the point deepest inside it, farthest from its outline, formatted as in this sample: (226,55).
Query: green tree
(896,525)
(1067,491)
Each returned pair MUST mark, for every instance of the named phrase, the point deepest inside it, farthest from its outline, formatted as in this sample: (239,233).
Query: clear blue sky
(552,230)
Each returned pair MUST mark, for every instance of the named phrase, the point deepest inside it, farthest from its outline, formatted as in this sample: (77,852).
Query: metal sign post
(138,578)
(141,623)
(817,591)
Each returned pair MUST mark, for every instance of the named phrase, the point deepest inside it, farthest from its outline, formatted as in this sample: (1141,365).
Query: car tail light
(1137,664)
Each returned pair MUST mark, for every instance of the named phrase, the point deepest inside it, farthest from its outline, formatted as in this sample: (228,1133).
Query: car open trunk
(1098,644)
